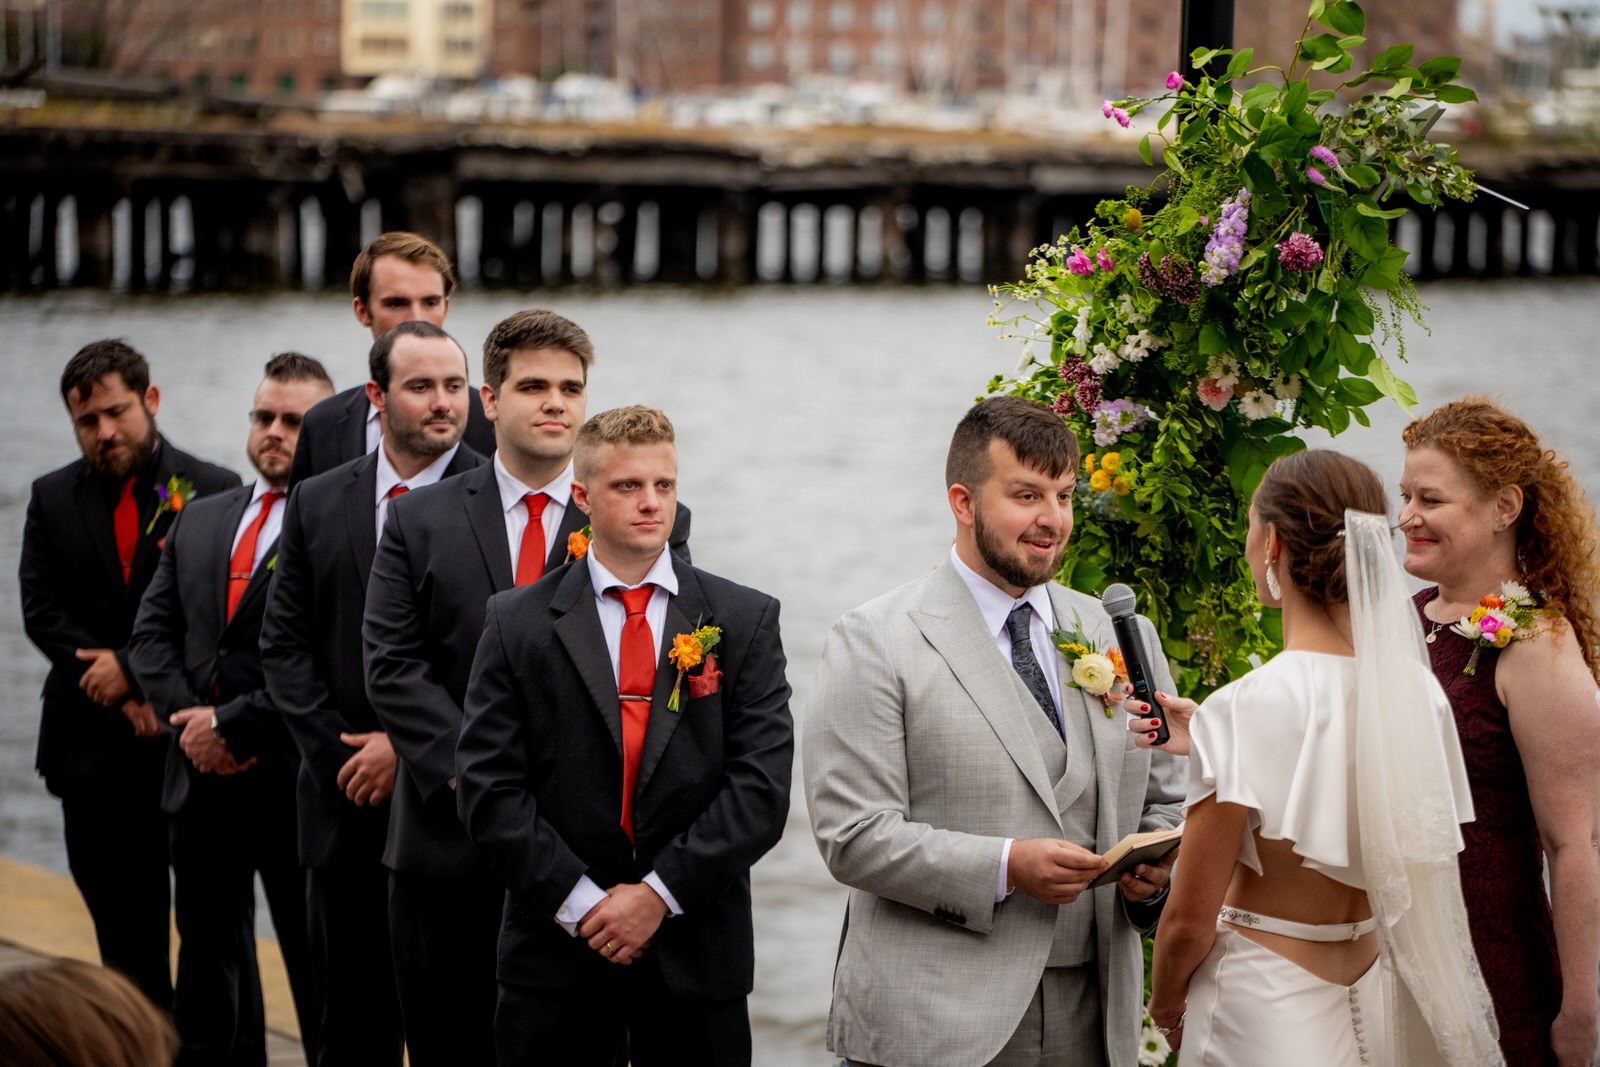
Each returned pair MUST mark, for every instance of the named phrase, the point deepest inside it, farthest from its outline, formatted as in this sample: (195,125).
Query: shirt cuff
(1001,890)
(584,896)
(653,880)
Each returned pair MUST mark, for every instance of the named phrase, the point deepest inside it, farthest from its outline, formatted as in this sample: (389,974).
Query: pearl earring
(1273,587)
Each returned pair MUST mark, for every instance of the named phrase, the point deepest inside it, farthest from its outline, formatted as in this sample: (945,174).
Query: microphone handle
(1130,642)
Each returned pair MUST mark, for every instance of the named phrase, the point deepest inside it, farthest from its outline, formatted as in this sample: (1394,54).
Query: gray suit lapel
(952,624)
(1107,733)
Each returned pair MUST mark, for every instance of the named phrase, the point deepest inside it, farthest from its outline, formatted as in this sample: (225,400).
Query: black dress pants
(444,930)
(348,920)
(116,837)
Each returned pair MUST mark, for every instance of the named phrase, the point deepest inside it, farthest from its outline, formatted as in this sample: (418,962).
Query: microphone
(1118,600)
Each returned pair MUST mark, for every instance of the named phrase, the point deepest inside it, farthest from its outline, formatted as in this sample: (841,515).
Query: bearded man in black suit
(621,785)
(89,548)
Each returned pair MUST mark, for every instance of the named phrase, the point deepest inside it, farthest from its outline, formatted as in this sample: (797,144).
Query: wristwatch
(215,729)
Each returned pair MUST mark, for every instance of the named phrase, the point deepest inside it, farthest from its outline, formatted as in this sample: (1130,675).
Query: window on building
(286,84)
(841,57)
(327,9)
(841,15)
(884,16)
(237,82)
(376,45)
(797,57)
(932,18)
(202,82)
(886,55)
(460,46)
(327,43)
(798,14)
(330,82)
(384,9)
(760,14)
(760,54)
(457,11)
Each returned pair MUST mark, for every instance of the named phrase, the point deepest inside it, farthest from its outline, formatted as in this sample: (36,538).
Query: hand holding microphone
(1118,601)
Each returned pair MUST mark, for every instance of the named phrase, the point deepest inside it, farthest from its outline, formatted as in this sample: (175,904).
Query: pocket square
(708,681)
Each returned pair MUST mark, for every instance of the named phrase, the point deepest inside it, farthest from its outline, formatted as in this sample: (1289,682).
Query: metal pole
(1206,24)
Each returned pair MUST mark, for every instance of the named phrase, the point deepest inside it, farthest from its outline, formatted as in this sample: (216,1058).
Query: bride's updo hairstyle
(1304,496)
(1558,545)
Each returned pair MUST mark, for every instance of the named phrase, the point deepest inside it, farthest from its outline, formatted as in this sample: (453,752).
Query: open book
(1149,847)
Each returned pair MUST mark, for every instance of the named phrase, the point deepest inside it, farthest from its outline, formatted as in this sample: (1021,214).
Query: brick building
(263,48)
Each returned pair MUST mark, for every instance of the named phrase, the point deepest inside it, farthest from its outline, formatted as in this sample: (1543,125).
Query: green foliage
(1214,351)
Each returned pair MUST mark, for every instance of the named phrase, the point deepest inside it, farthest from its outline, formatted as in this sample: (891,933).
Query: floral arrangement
(1095,672)
(687,652)
(578,543)
(173,496)
(1252,290)
(1499,619)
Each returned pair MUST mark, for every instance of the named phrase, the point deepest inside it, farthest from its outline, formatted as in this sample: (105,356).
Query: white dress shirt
(374,427)
(995,605)
(559,492)
(586,894)
(269,529)
(388,478)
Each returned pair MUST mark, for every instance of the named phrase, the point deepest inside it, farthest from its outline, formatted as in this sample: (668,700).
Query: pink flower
(1316,176)
(1079,263)
(1324,155)
(1106,109)
(1299,251)
(1122,117)
(1213,394)
(1174,80)
(1106,262)
(1488,625)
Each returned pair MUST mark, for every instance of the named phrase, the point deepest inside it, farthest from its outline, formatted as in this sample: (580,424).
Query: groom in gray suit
(964,790)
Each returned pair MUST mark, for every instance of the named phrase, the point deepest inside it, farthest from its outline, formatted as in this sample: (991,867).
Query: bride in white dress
(1315,915)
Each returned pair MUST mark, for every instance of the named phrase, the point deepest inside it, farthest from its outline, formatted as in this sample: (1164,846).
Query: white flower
(1151,341)
(1226,371)
(1153,1047)
(1258,404)
(1286,387)
(1104,361)
(1466,628)
(1025,361)
(1093,673)
(1081,334)
(1129,314)
(1132,351)
(1515,591)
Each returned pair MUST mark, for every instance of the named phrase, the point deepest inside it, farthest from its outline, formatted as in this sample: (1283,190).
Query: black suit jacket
(335,432)
(311,649)
(444,554)
(186,651)
(73,597)
(540,772)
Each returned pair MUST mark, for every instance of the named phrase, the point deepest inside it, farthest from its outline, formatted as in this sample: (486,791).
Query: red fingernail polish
(1151,735)
(1144,707)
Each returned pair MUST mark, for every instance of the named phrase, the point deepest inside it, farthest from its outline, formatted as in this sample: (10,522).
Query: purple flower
(1103,258)
(1325,155)
(1113,418)
(1087,395)
(161,491)
(1106,108)
(1174,80)
(1227,240)
(1315,176)
(1079,263)
(1299,252)
(1122,117)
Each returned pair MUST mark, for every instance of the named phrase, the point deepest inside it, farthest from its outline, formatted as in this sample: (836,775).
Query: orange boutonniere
(174,495)
(688,652)
(578,544)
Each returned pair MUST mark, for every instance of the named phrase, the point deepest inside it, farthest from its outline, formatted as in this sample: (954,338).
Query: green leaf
(1373,211)
(1201,56)
(1355,316)
(1400,88)
(1384,273)
(1212,340)
(1343,347)
(1455,94)
(1390,58)
(1367,237)
(1356,392)
(1295,96)
(1362,176)
(1260,95)
(1322,46)
(1317,7)
(1187,219)
(1352,42)
(1320,97)
(1336,65)
(1277,140)
(1239,64)
(1144,150)
(1438,71)
(1390,386)
(1345,16)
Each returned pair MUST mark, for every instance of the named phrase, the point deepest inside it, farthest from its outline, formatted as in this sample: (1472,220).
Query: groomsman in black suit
(232,766)
(621,800)
(311,655)
(89,547)
(399,277)
(445,551)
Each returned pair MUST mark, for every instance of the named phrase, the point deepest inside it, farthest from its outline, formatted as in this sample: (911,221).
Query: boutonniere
(578,544)
(174,495)
(1095,672)
(688,652)
(1499,619)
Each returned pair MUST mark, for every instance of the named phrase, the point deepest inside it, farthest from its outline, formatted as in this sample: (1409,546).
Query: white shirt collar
(262,489)
(995,603)
(660,573)
(558,489)
(388,477)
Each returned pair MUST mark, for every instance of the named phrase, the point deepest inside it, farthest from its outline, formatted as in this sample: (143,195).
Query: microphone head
(1118,599)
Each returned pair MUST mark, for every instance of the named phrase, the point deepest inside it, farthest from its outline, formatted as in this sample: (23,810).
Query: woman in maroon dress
(1483,504)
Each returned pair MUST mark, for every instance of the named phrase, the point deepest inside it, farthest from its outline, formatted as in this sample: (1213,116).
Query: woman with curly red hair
(1489,515)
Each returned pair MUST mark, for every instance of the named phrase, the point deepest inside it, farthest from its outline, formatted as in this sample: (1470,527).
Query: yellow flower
(1093,674)
(1089,463)
(1122,487)
(1477,615)
(1100,481)
(1502,637)
(1134,219)
(1072,648)
(1111,461)
(686,652)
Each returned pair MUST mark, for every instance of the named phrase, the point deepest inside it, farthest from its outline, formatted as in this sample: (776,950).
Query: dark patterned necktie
(1027,664)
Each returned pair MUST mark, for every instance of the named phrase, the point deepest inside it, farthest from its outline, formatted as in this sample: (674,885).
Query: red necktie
(530,557)
(244,555)
(636,683)
(395,490)
(125,521)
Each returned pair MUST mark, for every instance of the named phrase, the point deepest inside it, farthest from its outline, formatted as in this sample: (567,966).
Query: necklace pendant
(1433,637)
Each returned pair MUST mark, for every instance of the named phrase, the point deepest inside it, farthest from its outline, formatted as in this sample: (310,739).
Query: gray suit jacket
(920,759)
